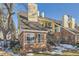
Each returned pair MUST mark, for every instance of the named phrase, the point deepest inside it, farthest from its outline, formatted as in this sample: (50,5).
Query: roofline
(70,31)
(35,31)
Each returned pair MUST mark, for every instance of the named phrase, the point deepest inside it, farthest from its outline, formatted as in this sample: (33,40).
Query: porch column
(44,24)
(75,39)
(53,27)
(36,41)
(44,40)
(36,38)
(24,41)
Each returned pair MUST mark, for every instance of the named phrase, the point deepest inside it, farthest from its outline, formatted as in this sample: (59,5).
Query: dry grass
(65,53)
(71,53)
(42,54)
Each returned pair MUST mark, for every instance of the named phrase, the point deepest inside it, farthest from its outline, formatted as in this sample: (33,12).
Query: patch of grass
(70,53)
(65,53)
(42,54)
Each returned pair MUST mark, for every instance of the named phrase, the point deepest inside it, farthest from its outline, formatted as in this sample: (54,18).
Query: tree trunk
(4,35)
(5,41)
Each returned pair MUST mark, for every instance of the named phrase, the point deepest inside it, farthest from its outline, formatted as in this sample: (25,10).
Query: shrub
(15,46)
(16,49)
(77,44)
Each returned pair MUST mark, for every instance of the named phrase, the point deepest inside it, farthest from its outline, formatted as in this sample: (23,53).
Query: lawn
(42,54)
(71,53)
(65,53)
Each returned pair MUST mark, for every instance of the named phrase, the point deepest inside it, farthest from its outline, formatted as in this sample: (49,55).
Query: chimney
(32,12)
(42,14)
(73,23)
(65,21)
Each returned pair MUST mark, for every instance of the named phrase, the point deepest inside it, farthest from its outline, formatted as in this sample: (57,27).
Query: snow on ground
(59,48)
(62,47)
(67,46)
(55,50)
(30,54)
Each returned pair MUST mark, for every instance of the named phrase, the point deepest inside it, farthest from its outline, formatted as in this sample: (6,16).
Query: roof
(22,13)
(25,24)
(34,31)
(73,31)
(49,19)
(33,26)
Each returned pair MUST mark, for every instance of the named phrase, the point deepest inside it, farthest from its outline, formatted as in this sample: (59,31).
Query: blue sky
(53,10)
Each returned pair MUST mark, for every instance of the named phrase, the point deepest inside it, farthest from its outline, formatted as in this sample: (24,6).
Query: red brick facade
(26,46)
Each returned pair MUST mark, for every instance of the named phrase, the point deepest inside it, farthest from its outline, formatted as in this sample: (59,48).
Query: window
(30,38)
(40,36)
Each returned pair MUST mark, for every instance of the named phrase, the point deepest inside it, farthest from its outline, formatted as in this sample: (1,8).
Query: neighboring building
(68,22)
(68,34)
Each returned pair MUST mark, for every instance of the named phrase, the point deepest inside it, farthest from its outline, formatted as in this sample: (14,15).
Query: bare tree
(7,24)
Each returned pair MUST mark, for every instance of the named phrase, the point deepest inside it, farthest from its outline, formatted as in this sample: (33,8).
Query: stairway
(51,40)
